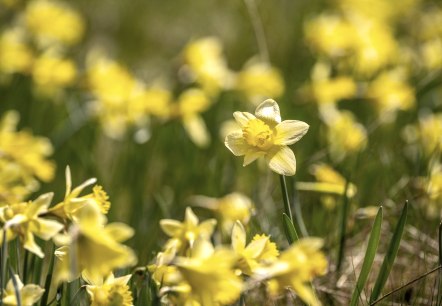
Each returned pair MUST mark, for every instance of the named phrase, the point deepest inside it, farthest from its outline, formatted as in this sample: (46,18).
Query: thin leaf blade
(289,229)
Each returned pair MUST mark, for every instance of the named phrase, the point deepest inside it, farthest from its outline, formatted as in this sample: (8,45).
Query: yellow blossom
(264,135)
(259,81)
(22,161)
(50,72)
(29,294)
(112,292)
(430,131)
(228,209)
(92,247)
(432,54)
(24,220)
(187,232)
(66,26)
(73,202)
(15,54)
(207,64)
(295,269)
(260,250)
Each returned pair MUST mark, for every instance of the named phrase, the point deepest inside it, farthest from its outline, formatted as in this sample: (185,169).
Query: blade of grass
(343,227)
(289,228)
(285,197)
(3,261)
(370,253)
(15,284)
(390,256)
(297,208)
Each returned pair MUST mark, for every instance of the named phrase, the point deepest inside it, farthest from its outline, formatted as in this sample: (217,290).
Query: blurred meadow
(143,96)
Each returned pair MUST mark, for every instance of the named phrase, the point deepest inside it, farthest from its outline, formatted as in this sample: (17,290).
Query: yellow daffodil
(73,202)
(264,135)
(260,250)
(22,161)
(430,133)
(66,26)
(23,220)
(112,292)
(259,81)
(185,233)
(228,209)
(92,247)
(29,294)
(209,275)
(15,54)
(295,269)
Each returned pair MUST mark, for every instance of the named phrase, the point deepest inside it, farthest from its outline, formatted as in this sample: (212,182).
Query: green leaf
(343,226)
(289,228)
(390,256)
(369,257)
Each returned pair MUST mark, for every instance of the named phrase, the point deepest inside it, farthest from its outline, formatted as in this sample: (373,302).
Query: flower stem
(285,197)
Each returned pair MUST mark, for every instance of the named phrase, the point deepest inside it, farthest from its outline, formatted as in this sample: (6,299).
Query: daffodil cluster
(191,270)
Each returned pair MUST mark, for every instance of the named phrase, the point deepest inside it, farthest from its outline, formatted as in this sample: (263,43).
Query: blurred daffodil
(113,291)
(29,294)
(184,234)
(15,54)
(228,209)
(250,256)
(264,135)
(295,269)
(24,220)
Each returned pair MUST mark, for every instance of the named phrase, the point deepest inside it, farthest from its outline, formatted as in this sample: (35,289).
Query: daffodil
(112,292)
(29,294)
(264,135)
(295,269)
(228,209)
(15,54)
(92,247)
(185,233)
(260,250)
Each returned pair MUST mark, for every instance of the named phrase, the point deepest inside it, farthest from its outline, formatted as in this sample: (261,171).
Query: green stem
(343,228)
(285,197)
(4,258)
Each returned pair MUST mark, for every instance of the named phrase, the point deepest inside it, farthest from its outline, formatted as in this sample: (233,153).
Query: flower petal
(46,229)
(282,161)
(268,111)
(197,130)
(238,237)
(31,293)
(243,117)
(290,131)
(251,156)
(236,144)
(170,227)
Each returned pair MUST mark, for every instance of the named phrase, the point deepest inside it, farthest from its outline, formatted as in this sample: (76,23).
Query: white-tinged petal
(251,156)
(236,143)
(268,111)
(282,161)
(290,131)
(170,227)
(40,205)
(32,246)
(68,181)
(119,231)
(256,247)
(238,237)
(30,294)
(206,228)
(190,218)
(46,229)
(197,130)
(243,117)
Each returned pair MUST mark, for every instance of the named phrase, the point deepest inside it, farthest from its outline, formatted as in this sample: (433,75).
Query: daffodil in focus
(259,81)
(260,251)
(113,291)
(23,161)
(210,277)
(228,209)
(264,135)
(92,247)
(29,294)
(184,234)
(295,269)
(24,220)
(66,26)
(73,202)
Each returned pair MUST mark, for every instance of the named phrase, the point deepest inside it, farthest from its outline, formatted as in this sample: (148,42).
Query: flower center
(258,134)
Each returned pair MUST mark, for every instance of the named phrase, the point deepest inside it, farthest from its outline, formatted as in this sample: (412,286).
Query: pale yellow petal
(206,228)
(32,246)
(119,231)
(170,227)
(282,161)
(40,205)
(190,217)
(197,130)
(46,229)
(290,131)
(306,293)
(268,111)
(256,247)
(236,143)
(30,294)
(243,117)
(202,248)
(251,156)
(238,237)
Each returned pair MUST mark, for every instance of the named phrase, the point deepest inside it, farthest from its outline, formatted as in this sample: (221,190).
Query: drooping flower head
(29,294)
(264,135)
